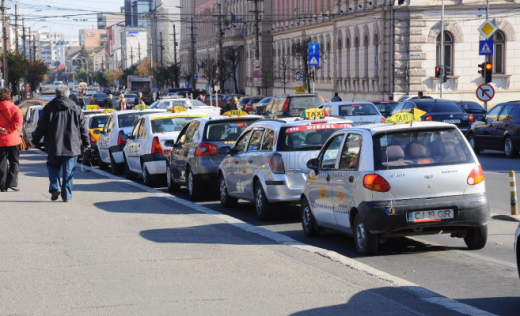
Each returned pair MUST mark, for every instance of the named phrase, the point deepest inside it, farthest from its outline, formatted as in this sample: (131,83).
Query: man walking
(108,102)
(63,125)
(336,98)
(138,99)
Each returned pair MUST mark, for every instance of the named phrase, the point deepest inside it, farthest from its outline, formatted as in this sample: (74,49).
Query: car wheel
(128,173)
(147,178)
(193,188)
(115,168)
(264,209)
(308,223)
(366,243)
(102,165)
(172,187)
(476,238)
(226,200)
(509,148)
(473,142)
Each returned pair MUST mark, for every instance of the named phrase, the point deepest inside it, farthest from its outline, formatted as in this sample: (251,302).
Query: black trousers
(9,173)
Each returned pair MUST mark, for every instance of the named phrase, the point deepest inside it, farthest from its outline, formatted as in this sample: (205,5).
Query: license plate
(429,216)
(452,121)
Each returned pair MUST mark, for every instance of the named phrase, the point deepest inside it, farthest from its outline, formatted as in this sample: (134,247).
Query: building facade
(46,46)
(164,26)
(135,46)
(91,39)
(105,20)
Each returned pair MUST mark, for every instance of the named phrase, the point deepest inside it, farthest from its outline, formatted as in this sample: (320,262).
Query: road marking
(419,291)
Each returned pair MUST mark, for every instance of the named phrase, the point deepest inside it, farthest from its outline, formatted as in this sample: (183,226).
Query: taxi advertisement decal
(341,196)
(323,192)
(314,127)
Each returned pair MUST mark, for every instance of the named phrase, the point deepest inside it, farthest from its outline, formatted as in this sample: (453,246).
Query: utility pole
(162,50)
(488,58)
(257,38)
(16,26)
(193,56)
(4,33)
(24,58)
(30,54)
(34,48)
(174,45)
(139,50)
(220,48)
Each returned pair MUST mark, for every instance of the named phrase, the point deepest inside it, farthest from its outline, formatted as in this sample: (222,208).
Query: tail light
(206,150)
(276,164)
(286,105)
(156,146)
(428,118)
(92,139)
(471,119)
(476,176)
(383,120)
(120,140)
(375,182)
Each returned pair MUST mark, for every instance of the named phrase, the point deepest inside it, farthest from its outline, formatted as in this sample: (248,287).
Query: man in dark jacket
(108,102)
(138,99)
(336,98)
(63,125)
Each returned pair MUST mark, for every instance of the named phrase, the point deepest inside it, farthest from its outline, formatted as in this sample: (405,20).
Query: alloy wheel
(223,189)
(508,146)
(307,216)
(258,200)
(361,235)
(190,183)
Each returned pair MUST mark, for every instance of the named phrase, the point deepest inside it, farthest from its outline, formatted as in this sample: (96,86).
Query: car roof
(296,95)
(296,121)
(348,103)
(181,114)
(223,118)
(381,127)
(137,111)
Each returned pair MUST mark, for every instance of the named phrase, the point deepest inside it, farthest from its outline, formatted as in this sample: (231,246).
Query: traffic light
(489,72)
(437,72)
(482,70)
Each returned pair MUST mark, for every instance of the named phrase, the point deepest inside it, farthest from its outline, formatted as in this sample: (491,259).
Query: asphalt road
(486,279)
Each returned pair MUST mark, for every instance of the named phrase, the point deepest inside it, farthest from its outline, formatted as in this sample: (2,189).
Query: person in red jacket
(10,122)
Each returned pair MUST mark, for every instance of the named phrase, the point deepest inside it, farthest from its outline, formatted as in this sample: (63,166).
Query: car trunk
(295,164)
(364,119)
(461,120)
(163,137)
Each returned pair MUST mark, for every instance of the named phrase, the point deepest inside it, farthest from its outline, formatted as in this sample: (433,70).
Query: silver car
(380,181)
(196,155)
(268,163)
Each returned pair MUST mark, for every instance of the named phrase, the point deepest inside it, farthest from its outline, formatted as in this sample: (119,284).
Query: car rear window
(304,103)
(169,124)
(420,148)
(100,96)
(357,110)
(244,100)
(439,106)
(227,130)
(128,120)
(386,107)
(471,106)
(307,137)
(98,121)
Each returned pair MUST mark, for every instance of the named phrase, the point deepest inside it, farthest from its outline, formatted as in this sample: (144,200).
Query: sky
(62,15)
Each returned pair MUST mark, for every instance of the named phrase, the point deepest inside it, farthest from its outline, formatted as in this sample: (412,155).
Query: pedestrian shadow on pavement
(147,205)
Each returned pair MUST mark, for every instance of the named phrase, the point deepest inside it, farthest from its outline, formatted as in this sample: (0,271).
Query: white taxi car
(267,165)
(380,181)
(195,105)
(361,113)
(112,141)
(30,123)
(147,147)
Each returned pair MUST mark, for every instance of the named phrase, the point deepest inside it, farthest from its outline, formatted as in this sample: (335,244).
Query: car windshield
(307,137)
(265,100)
(180,103)
(197,103)
(304,102)
(386,107)
(439,106)
(128,119)
(420,148)
(357,110)
(254,100)
(98,121)
(169,124)
(244,100)
(227,131)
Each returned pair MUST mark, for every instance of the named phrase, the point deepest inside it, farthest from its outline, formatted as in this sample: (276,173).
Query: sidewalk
(116,249)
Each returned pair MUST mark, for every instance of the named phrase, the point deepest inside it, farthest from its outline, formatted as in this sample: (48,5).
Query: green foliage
(81,75)
(36,73)
(100,78)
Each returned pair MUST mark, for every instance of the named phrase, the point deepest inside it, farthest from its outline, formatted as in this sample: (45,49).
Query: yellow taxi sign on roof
(91,107)
(178,109)
(487,29)
(106,111)
(406,117)
(235,113)
(314,113)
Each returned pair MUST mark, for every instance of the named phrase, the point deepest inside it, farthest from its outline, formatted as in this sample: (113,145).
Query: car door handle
(250,161)
(327,178)
(351,179)
(236,161)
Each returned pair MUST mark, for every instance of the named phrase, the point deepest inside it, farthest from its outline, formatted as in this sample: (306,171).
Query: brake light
(428,118)
(120,140)
(206,150)
(375,182)
(286,105)
(476,176)
(383,120)
(471,119)
(276,163)
(92,139)
(156,146)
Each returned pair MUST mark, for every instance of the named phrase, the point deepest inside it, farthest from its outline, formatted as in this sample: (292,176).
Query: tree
(36,73)
(112,75)
(143,67)
(82,75)
(16,62)
(284,70)
(127,72)
(232,61)
(99,77)
(210,72)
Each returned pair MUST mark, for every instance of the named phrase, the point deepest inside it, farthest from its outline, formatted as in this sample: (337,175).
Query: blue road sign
(187,84)
(196,76)
(299,76)
(314,54)
(485,48)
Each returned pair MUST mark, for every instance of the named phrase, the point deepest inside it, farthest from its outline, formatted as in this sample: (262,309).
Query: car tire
(128,173)
(476,238)
(147,178)
(509,148)
(226,200)
(102,165)
(366,243)
(473,143)
(193,187)
(310,229)
(172,187)
(115,168)
(264,209)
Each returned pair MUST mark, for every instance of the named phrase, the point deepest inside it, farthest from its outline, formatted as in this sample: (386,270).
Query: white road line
(419,291)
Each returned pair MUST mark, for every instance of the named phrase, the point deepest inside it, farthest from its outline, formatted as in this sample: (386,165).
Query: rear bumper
(470,210)
(155,163)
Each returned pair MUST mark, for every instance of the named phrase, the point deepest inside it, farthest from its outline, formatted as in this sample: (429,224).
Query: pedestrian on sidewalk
(108,101)
(10,122)
(336,98)
(63,125)
(81,101)
(121,103)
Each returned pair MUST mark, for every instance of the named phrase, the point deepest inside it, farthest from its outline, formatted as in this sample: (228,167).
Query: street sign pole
(442,50)
(487,57)
(313,79)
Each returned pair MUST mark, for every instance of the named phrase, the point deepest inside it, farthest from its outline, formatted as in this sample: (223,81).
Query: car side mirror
(226,150)
(313,164)
(97,132)
(169,143)
(488,120)
(126,137)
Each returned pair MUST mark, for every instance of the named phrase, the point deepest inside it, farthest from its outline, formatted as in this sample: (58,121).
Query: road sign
(257,82)
(196,76)
(299,76)
(485,92)
(485,48)
(187,84)
(257,74)
(314,54)
(257,63)
(487,29)
(300,90)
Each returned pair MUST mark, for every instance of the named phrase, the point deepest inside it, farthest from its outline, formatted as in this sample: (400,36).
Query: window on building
(499,52)
(348,59)
(376,56)
(448,52)
(356,47)
(365,72)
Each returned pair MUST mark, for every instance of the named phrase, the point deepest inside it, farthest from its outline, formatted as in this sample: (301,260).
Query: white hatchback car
(361,113)
(195,105)
(268,162)
(112,141)
(381,181)
(147,147)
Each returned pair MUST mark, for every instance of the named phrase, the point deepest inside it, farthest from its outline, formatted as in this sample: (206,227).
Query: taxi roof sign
(314,113)
(406,117)
(487,29)
(177,109)
(235,113)
(91,107)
